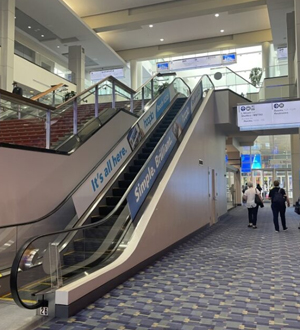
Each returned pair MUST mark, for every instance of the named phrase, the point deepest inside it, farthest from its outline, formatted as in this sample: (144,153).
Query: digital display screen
(250,162)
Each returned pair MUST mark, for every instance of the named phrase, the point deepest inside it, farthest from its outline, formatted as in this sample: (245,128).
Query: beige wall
(33,183)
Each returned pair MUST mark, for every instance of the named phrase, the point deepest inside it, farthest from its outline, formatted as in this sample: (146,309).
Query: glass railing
(47,262)
(53,126)
(224,77)
(64,215)
(54,96)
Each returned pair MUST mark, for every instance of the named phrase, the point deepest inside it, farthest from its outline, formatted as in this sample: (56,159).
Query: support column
(266,58)
(297,44)
(7,31)
(136,71)
(291,46)
(294,64)
(77,66)
(295,155)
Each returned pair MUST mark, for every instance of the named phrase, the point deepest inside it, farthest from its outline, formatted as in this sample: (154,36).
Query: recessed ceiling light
(42,36)
(29,27)
(221,31)
(150,26)
(58,46)
(162,39)
(217,15)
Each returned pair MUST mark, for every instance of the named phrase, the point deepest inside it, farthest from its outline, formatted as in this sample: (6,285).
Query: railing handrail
(146,83)
(109,78)
(15,266)
(21,99)
(49,90)
(247,81)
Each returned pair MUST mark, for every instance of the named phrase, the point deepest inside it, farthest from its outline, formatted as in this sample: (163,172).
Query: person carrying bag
(250,197)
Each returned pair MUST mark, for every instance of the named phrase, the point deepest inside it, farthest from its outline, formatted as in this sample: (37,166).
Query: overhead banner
(196,62)
(268,115)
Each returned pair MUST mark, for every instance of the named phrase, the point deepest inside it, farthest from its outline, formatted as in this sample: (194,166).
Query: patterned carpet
(228,277)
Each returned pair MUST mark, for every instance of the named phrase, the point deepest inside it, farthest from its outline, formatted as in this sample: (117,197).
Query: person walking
(249,196)
(278,199)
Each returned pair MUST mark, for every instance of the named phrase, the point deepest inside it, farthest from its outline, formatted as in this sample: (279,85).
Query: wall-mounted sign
(99,75)
(282,53)
(196,62)
(269,115)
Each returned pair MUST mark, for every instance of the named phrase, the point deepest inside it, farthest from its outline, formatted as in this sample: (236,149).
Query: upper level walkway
(228,276)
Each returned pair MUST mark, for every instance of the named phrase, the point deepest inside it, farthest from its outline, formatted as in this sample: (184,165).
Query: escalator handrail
(79,184)
(24,247)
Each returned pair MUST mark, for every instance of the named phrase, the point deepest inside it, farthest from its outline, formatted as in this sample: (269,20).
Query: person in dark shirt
(277,207)
(17,90)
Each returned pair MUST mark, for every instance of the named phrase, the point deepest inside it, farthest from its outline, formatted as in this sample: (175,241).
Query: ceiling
(113,32)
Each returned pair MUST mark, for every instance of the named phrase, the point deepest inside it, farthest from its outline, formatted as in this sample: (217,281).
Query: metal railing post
(113,104)
(131,103)
(53,99)
(143,98)
(48,128)
(75,116)
(152,91)
(96,102)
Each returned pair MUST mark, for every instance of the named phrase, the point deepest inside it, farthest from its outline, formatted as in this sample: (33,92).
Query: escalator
(92,245)
(50,261)
(64,216)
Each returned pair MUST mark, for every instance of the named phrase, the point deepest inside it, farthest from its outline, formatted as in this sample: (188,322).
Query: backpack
(278,198)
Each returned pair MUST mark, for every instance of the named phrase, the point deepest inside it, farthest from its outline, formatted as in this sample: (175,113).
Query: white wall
(33,183)
(178,207)
(32,75)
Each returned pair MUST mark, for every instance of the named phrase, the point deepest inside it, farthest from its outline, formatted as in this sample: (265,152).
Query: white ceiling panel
(92,7)
(187,29)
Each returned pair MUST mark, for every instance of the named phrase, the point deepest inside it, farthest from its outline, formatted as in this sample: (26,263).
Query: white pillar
(7,31)
(136,71)
(266,58)
(77,66)
(291,46)
(295,155)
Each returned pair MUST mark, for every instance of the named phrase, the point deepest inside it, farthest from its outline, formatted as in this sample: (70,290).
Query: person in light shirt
(249,197)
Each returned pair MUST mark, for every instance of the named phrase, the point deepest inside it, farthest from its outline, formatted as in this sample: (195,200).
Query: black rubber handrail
(24,247)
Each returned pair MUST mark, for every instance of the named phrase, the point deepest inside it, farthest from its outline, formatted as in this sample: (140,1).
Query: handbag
(297,208)
(258,201)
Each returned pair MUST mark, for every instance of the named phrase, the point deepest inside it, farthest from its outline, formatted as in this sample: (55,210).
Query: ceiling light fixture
(29,27)
(58,46)
(42,36)
(217,15)
(150,26)
(222,31)
(162,39)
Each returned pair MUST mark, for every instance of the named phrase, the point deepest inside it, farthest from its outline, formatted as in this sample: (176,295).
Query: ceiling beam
(164,12)
(190,47)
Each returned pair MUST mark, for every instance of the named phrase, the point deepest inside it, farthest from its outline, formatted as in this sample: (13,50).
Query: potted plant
(255,76)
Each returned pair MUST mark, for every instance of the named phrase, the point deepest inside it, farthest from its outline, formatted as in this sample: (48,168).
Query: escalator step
(120,191)
(147,150)
(143,156)
(112,200)
(129,176)
(151,144)
(139,161)
(124,183)
(135,168)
